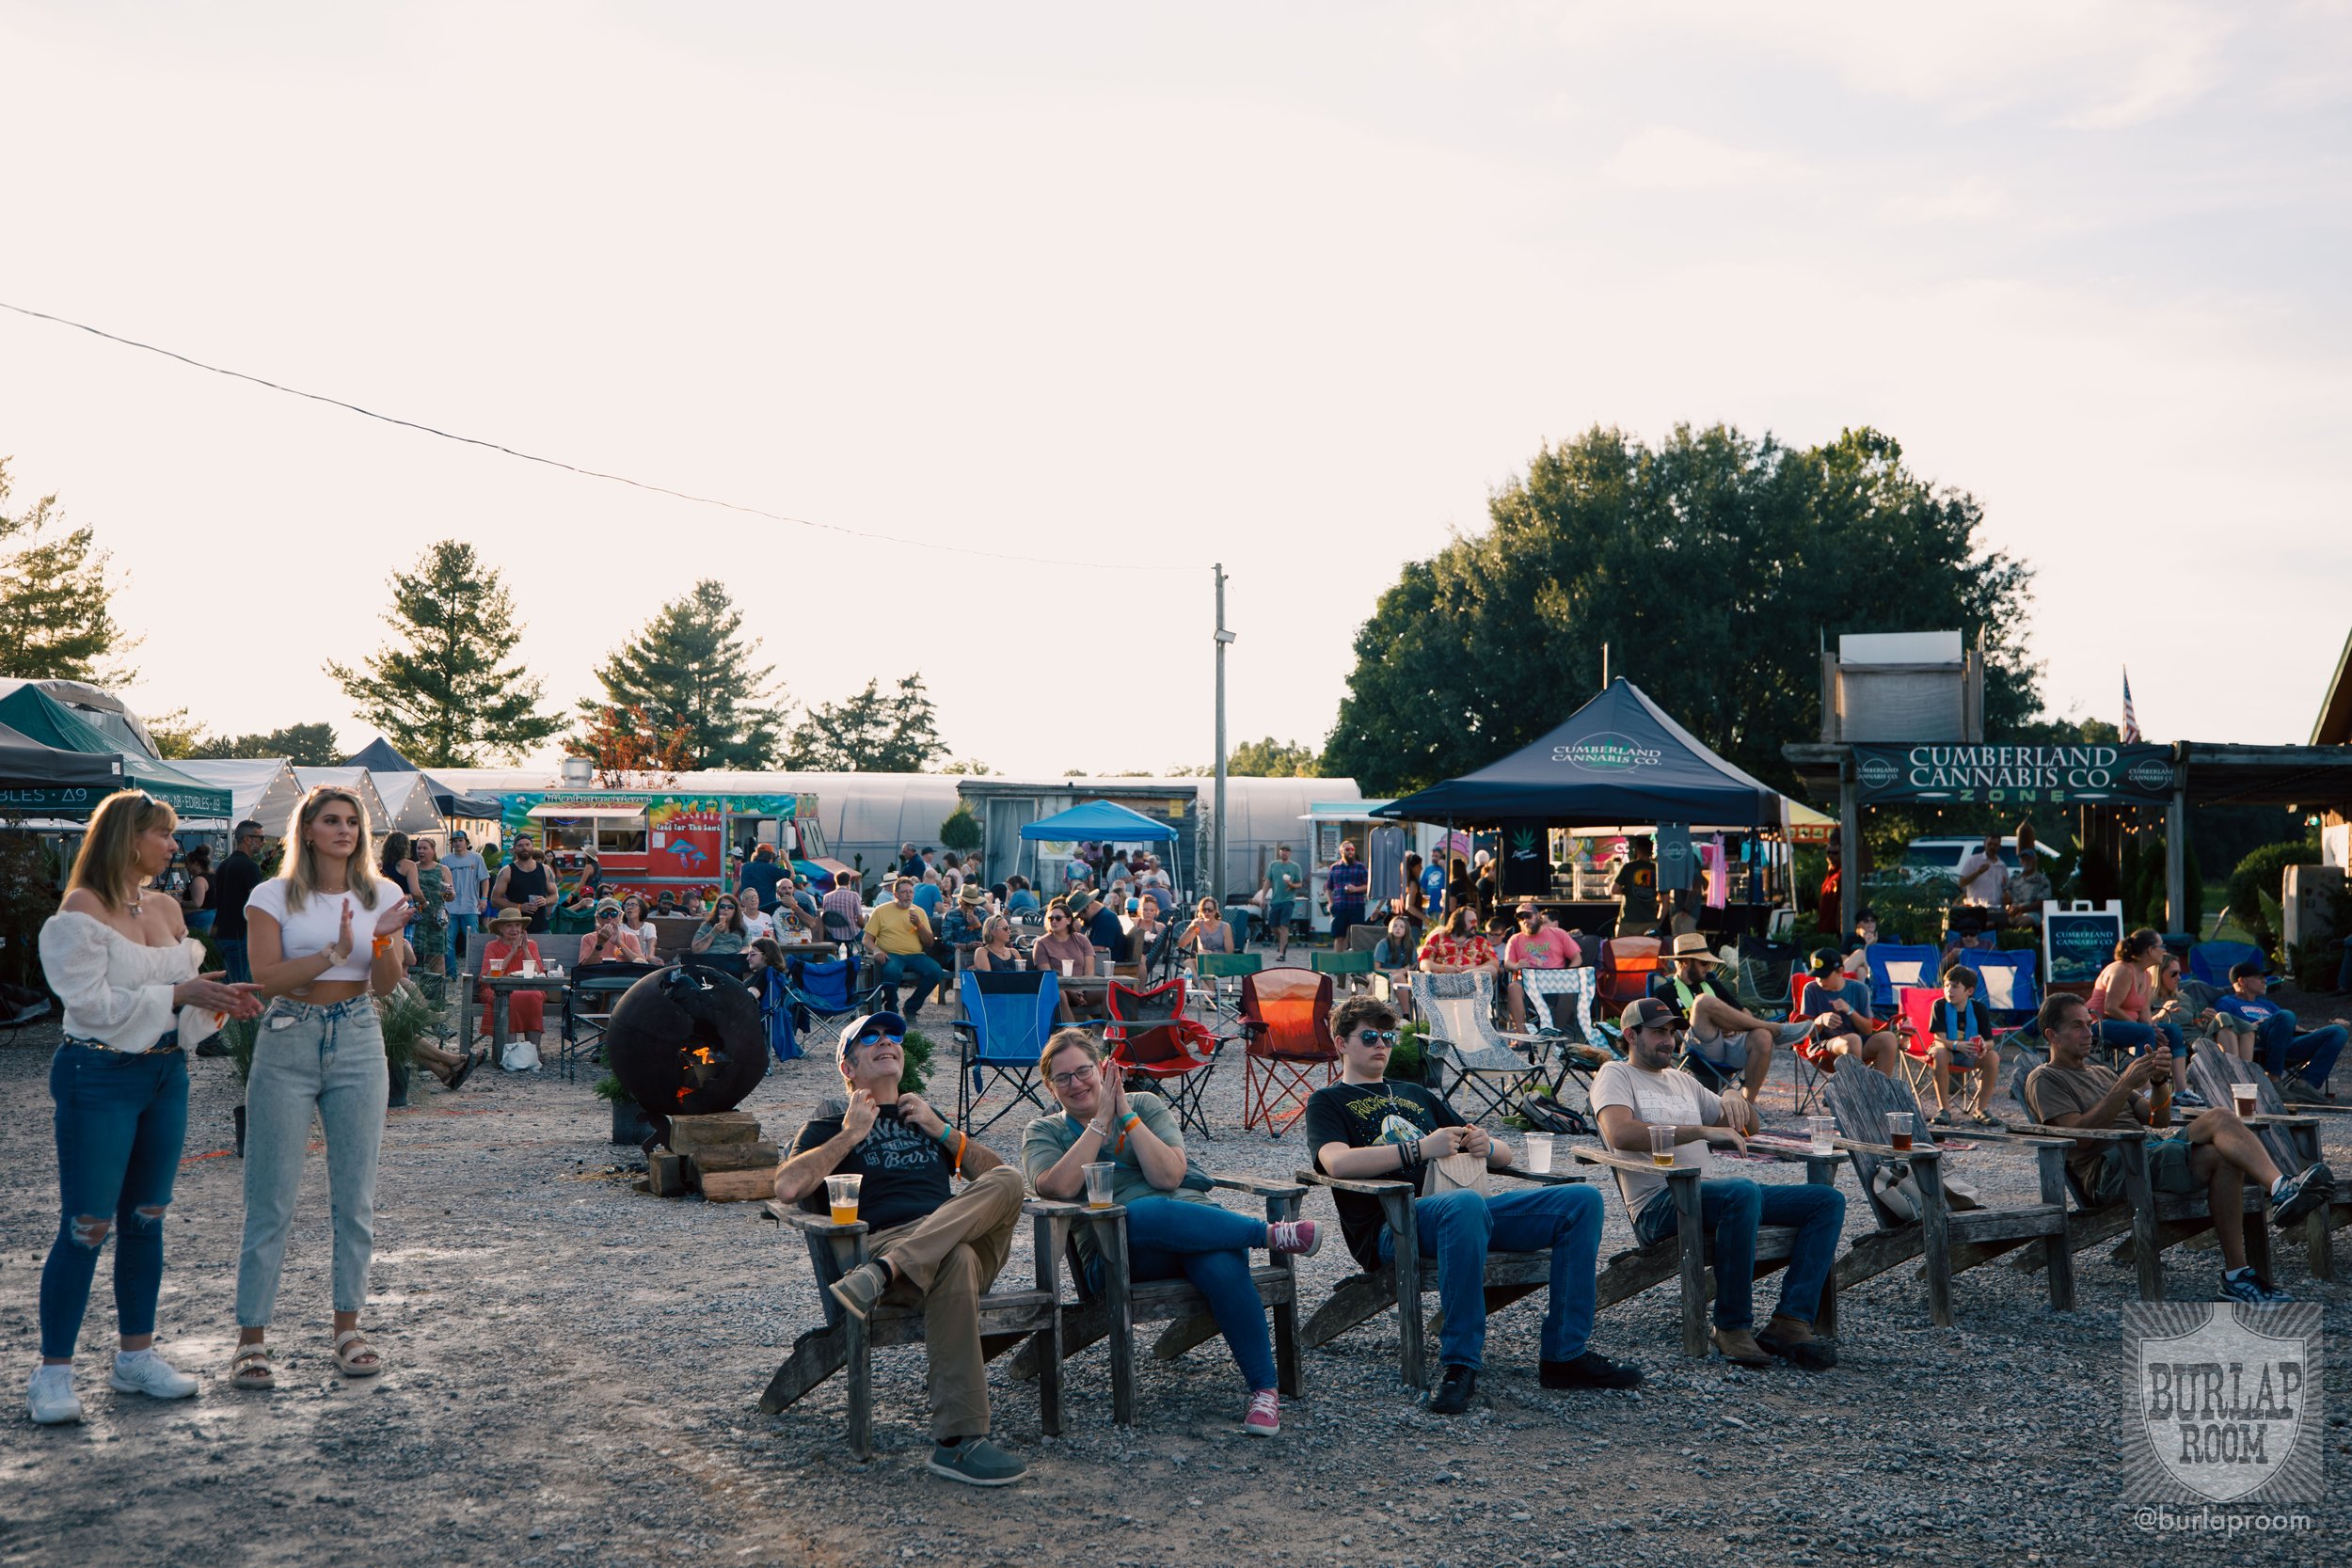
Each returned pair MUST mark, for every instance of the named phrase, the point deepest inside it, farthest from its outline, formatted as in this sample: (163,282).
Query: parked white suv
(1925,859)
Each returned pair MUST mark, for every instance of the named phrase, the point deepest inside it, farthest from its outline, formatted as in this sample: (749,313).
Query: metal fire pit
(687,1042)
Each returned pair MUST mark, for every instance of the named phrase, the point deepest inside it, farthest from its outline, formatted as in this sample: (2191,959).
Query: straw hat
(1692,946)
(510,917)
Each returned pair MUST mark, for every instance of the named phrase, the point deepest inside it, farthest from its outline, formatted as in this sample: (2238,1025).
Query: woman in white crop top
(322,934)
(119,957)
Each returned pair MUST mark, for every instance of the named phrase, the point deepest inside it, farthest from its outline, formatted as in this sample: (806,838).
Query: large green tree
(444,693)
(869,732)
(304,745)
(55,623)
(1271,759)
(1712,566)
(689,672)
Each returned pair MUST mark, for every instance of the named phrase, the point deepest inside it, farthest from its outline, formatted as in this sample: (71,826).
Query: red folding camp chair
(1149,1038)
(1286,1030)
(1626,968)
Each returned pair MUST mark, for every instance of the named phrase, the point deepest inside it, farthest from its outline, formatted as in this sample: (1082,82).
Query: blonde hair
(108,862)
(300,872)
(1067,1040)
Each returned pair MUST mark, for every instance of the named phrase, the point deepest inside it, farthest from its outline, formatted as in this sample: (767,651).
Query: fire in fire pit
(687,1043)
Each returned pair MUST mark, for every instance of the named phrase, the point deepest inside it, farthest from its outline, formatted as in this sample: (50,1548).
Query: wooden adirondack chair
(1126,1301)
(1948,1241)
(1007,1319)
(2292,1138)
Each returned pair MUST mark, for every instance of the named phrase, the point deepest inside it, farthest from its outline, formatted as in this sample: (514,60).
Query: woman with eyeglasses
(1173,1230)
(722,930)
(119,959)
(635,922)
(995,954)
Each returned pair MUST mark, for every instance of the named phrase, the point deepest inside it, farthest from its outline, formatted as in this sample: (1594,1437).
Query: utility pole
(1216,828)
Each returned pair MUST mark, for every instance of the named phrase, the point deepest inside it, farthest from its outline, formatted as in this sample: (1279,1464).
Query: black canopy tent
(29,766)
(380,756)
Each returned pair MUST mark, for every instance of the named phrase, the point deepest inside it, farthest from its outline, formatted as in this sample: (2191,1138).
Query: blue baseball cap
(870,1024)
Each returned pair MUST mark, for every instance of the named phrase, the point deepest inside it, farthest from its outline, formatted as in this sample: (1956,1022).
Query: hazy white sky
(1293,288)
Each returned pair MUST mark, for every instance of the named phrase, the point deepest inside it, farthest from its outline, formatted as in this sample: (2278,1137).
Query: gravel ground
(574,1368)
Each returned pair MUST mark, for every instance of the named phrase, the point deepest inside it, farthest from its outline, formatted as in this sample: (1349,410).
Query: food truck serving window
(599,833)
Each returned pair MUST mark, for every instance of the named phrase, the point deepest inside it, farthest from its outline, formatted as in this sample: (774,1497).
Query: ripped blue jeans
(121,1122)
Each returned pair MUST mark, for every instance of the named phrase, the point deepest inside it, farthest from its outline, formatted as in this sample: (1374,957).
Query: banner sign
(2078,940)
(2011,775)
(1673,857)
(203,801)
(1526,860)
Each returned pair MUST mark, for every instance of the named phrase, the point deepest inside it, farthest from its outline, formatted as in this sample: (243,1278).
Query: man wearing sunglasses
(1368,1129)
(928,1246)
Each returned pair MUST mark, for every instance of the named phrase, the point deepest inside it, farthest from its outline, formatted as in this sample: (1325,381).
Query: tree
(627,750)
(304,745)
(55,623)
(445,696)
(971,765)
(869,732)
(690,669)
(1712,568)
(1272,759)
(961,831)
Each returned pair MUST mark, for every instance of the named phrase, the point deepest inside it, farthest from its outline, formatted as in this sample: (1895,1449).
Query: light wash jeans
(328,1061)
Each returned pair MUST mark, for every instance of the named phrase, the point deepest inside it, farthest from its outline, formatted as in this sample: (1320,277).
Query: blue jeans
(121,1122)
(1173,1238)
(1458,1229)
(897,967)
(2312,1052)
(232,956)
(461,930)
(1732,1209)
(328,1061)
(2137,1038)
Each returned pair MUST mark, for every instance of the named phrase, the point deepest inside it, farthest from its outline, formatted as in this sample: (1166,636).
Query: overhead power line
(598,473)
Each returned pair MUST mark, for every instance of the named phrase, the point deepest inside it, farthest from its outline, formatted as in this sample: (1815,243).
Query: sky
(1108,295)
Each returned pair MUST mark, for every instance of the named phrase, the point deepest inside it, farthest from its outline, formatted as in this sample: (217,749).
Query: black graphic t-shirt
(1352,1114)
(906,1171)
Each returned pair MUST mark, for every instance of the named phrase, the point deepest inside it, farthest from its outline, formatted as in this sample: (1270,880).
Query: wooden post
(1848,848)
(1045,1241)
(1110,1238)
(1288,1376)
(2142,1197)
(2056,1256)
(1935,1233)
(1402,1226)
(1690,1241)
(2176,853)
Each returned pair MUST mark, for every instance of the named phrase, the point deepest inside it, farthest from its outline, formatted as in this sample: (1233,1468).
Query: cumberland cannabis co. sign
(1607,752)
(1996,775)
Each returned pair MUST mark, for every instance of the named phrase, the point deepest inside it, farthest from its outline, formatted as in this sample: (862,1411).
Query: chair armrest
(1617,1160)
(1262,1188)
(2093,1134)
(1805,1156)
(811,1224)
(1346,1184)
(1059,1209)
(2288,1119)
(1884,1151)
(1541,1178)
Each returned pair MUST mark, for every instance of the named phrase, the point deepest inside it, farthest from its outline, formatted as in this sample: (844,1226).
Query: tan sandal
(251,1369)
(350,1345)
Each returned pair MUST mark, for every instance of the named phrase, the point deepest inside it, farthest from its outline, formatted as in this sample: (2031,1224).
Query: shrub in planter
(919,1062)
(629,1125)
(1408,1062)
(2257,884)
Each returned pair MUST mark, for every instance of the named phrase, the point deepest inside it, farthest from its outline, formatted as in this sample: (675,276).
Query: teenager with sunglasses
(1367,1127)
(927,1245)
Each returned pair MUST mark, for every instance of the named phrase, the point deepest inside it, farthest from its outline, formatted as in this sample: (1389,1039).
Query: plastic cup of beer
(1098,1183)
(1661,1146)
(1822,1131)
(841,1193)
(1898,1128)
(2243,1097)
(1539,1153)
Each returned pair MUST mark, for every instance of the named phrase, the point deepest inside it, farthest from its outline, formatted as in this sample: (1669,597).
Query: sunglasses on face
(1376,1036)
(882,1039)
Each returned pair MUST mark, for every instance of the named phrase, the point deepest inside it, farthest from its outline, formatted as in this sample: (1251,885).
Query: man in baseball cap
(930,1246)
(1645,1103)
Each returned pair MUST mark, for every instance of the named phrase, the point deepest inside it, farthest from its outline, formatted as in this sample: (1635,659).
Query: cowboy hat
(504,917)
(1692,946)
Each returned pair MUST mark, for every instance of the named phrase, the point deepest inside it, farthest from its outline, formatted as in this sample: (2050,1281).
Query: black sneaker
(1453,1395)
(2299,1195)
(976,1462)
(1591,1370)
(212,1045)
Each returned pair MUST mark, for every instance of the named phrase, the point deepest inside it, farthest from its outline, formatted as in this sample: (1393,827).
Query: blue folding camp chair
(1894,966)
(1008,1014)
(2007,983)
(825,990)
(775,1016)
(2211,961)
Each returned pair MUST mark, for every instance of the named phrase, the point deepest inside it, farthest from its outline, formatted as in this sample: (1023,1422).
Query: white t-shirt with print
(1672,1097)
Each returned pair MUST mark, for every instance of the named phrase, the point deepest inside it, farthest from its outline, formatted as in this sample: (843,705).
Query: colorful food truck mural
(649,840)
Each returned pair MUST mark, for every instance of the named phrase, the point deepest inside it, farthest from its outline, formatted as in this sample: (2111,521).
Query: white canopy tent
(408,799)
(263,788)
(360,782)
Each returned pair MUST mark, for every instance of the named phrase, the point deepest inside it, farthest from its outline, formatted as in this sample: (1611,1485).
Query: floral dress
(433,893)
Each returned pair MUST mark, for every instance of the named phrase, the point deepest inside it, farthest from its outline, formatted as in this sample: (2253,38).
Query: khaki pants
(946,1261)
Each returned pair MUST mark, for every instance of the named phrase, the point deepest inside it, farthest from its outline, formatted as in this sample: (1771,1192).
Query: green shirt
(1282,879)
(1051,1136)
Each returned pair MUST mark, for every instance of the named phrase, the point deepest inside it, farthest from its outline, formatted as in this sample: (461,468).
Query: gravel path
(575,1365)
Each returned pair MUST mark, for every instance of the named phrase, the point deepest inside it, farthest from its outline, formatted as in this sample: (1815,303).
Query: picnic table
(503,986)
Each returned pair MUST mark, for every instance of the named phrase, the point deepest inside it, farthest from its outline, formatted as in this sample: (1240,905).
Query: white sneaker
(145,1372)
(51,1398)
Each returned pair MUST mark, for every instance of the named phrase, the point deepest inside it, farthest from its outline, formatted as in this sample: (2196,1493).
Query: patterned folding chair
(1562,1000)
(1286,1037)
(1149,1038)
(1464,1043)
(1008,1014)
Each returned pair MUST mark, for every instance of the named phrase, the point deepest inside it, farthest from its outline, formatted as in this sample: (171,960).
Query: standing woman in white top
(118,956)
(322,934)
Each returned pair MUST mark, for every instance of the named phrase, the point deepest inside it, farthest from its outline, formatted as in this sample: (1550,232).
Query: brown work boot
(1739,1344)
(1794,1338)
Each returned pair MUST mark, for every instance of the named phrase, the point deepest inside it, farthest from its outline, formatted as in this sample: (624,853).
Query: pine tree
(689,672)
(54,624)
(444,696)
(869,732)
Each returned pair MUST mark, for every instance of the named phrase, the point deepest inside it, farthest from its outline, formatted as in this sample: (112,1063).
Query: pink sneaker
(1302,1237)
(1264,1418)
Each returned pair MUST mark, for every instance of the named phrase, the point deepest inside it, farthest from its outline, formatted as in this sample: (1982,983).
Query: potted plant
(629,1125)
(239,1035)
(1408,1061)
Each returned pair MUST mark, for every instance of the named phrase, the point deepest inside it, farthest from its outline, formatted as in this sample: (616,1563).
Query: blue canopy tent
(1101,820)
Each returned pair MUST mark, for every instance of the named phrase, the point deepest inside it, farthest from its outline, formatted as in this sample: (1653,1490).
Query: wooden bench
(1126,1301)
(1946,1241)
(1008,1318)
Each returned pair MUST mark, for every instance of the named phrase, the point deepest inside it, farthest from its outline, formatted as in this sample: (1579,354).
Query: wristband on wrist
(381,946)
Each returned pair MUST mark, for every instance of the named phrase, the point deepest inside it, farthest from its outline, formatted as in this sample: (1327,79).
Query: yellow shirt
(897,930)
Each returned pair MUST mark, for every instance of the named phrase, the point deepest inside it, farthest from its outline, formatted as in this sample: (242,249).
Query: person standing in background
(240,874)
(1344,885)
(468,876)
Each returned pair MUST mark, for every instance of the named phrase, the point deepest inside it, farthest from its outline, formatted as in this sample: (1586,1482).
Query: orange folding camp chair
(1149,1038)
(1627,966)
(1286,1033)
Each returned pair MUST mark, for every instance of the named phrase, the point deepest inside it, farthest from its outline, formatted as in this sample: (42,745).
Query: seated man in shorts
(2214,1154)
(1733,1041)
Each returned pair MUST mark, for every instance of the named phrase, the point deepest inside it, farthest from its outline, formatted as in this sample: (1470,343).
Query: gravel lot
(574,1368)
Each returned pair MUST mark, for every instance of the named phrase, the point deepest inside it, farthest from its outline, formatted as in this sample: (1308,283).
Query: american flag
(2131,721)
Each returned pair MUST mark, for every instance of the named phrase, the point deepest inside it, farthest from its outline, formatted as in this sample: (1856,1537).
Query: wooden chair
(1125,1302)
(2291,1138)
(1008,1318)
(1948,1241)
